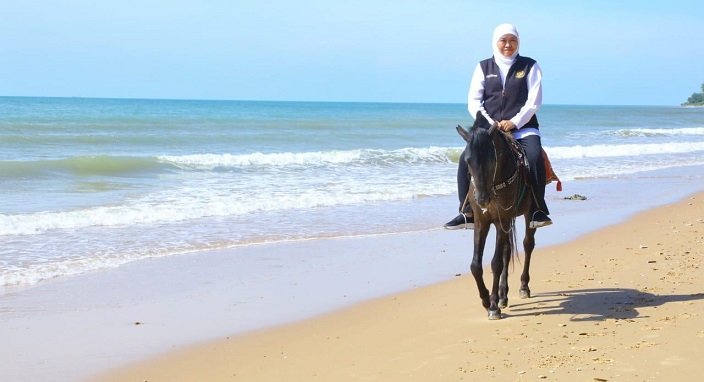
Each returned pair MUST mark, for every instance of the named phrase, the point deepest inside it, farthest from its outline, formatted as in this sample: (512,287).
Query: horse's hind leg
(503,283)
(528,245)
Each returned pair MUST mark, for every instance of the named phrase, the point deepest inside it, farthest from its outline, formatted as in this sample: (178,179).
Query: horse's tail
(512,241)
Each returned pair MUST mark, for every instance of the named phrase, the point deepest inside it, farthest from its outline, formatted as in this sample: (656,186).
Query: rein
(517,155)
(520,192)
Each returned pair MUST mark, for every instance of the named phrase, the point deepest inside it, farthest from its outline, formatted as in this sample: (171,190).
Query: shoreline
(614,195)
(621,303)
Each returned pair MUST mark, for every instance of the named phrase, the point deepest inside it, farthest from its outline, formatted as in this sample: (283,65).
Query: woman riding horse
(506,88)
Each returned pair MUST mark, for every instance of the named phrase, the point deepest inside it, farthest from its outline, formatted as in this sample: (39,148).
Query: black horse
(499,192)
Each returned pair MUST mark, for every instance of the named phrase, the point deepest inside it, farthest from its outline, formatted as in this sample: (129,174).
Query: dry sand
(625,303)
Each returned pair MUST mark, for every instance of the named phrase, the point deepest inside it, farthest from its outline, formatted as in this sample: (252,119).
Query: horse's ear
(463,133)
(480,121)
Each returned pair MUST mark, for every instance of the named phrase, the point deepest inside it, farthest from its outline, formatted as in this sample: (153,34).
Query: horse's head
(481,157)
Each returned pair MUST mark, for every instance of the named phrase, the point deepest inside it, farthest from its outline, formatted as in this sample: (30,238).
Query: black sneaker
(461,221)
(540,219)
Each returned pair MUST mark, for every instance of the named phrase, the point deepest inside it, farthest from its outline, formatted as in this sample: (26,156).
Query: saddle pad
(550,175)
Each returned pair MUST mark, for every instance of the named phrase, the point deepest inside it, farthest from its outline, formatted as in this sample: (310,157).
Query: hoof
(524,293)
(494,314)
(503,303)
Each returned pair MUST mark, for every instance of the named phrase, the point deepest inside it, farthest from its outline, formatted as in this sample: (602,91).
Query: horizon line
(309,101)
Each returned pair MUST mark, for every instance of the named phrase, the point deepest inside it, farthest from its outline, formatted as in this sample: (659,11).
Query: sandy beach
(623,303)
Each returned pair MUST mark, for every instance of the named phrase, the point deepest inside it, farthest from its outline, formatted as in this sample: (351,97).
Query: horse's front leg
(480,232)
(528,245)
(499,289)
(506,246)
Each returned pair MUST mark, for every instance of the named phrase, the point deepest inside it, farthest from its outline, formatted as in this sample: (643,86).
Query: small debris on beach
(575,197)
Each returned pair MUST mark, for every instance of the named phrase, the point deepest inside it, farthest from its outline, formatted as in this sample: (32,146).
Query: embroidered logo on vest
(520,74)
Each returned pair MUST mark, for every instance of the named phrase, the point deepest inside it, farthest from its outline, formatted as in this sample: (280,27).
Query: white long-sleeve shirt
(475,101)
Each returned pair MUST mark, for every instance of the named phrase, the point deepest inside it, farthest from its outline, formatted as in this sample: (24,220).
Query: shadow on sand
(594,304)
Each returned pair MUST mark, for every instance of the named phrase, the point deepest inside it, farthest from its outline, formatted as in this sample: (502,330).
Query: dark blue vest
(504,103)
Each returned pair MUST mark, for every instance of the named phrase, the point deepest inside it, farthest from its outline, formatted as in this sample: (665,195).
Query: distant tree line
(696,99)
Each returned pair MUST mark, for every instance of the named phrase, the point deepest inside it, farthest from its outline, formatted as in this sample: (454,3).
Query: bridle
(505,183)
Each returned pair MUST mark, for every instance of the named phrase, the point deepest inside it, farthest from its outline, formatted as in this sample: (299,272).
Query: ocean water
(90,184)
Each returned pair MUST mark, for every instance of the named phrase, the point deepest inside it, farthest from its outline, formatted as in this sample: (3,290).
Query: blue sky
(591,52)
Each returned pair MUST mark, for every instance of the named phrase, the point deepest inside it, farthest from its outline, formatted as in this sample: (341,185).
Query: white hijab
(498,32)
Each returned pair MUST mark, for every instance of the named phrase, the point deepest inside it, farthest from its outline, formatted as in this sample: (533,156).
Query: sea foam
(623,150)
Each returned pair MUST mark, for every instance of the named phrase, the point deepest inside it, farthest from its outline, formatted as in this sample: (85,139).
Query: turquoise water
(97,183)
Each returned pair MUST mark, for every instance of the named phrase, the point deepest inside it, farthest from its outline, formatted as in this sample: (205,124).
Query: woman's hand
(506,125)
